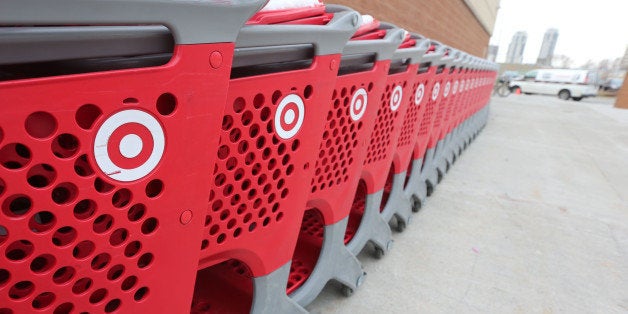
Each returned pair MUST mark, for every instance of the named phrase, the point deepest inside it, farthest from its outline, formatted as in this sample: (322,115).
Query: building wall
(622,95)
(451,22)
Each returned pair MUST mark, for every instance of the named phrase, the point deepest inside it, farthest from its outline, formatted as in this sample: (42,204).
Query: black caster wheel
(429,189)
(378,253)
(416,204)
(401,226)
(346,291)
(440,177)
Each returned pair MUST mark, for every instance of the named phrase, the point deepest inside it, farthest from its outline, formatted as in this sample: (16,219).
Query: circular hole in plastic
(227,122)
(64,193)
(276,96)
(21,290)
(16,205)
(43,300)
(14,156)
(42,263)
(84,209)
(82,166)
(130,101)
(115,272)
(86,115)
(83,249)
(129,283)
(97,296)
(102,187)
(238,105)
(19,250)
(64,308)
(118,237)
(63,275)
(154,188)
(145,260)
(65,145)
(121,198)
(136,212)
(40,124)
(307,92)
(100,261)
(64,236)
(150,225)
(82,285)
(112,305)
(41,175)
(4,277)
(102,223)
(141,294)
(166,104)
(132,248)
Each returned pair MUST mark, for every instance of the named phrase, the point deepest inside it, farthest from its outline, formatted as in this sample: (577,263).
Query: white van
(565,83)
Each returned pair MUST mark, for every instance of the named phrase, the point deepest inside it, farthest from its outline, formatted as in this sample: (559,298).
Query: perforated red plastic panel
(387,128)
(439,108)
(230,291)
(308,249)
(412,122)
(429,114)
(77,236)
(264,166)
(350,119)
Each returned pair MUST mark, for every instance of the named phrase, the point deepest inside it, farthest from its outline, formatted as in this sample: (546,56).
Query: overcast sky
(591,29)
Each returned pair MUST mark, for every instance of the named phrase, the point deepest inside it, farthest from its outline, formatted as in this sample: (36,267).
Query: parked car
(564,83)
(612,85)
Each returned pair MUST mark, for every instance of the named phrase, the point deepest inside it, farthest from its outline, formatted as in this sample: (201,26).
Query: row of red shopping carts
(203,156)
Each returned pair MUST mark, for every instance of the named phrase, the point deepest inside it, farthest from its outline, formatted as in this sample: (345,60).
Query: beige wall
(485,11)
(451,22)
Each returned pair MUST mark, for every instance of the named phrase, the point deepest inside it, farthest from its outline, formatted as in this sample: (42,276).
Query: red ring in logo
(113,145)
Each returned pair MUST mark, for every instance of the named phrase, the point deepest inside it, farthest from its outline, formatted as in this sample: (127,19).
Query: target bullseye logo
(435,91)
(289,116)
(129,145)
(395,99)
(358,104)
(418,96)
(447,89)
(455,90)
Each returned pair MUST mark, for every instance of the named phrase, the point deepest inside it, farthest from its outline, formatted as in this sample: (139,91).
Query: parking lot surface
(533,218)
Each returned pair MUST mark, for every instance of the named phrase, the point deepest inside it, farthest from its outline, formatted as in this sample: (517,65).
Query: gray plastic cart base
(335,262)
(269,295)
(373,228)
(398,204)
(416,190)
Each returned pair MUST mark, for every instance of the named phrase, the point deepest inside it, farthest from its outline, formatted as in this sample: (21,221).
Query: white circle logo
(129,145)
(289,116)
(447,89)
(418,96)
(395,99)
(435,91)
(358,104)
(455,90)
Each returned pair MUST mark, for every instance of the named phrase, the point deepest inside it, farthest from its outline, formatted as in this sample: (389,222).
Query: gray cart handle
(191,21)
(413,54)
(327,39)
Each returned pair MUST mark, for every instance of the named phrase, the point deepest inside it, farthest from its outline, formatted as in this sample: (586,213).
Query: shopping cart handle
(413,54)
(191,21)
(382,48)
(327,39)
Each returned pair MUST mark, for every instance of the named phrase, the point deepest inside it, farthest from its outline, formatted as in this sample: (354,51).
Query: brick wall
(448,21)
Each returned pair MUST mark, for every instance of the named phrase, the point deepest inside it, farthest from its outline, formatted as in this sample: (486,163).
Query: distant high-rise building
(515,49)
(492,52)
(547,48)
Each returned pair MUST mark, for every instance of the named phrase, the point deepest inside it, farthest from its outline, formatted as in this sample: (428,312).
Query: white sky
(587,30)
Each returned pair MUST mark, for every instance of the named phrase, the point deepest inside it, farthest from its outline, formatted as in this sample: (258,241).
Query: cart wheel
(378,253)
(401,226)
(346,291)
(416,204)
(429,189)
